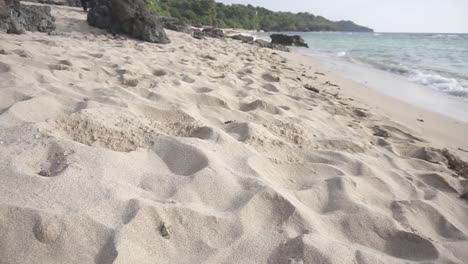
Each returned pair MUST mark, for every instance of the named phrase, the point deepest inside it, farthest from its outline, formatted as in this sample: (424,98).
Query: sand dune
(207,151)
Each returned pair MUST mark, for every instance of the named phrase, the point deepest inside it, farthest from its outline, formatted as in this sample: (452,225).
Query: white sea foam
(445,36)
(444,84)
(341,54)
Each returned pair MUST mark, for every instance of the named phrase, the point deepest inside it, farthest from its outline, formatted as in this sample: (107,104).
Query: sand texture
(208,151)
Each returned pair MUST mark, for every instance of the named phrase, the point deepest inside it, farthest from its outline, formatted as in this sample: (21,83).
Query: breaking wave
(444,84)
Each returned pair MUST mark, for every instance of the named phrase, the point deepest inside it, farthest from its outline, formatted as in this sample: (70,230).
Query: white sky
(436,16)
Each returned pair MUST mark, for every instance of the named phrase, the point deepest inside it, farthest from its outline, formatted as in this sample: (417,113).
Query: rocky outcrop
(75,3)
(288,40)
(260,43)
(100,15)
(265,44)
(16,18)
(130,17)
(208,32)
(213,32)
(198,34)
(246,39)
(174,24)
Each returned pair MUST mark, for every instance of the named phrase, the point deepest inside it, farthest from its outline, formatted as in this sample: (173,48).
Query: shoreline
(442,92)
(213,151)
(442,129)
(396,86)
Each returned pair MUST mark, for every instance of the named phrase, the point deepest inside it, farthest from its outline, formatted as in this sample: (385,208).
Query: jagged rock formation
(74,3)
(208,32)
(288,40)
(265,44)
(16,18)
(130,17)
(174,24)
(213,32)
(243,38)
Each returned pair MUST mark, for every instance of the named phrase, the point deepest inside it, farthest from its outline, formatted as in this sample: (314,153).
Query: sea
(426,69)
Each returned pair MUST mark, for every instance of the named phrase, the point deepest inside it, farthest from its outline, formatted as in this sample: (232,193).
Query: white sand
(120,151)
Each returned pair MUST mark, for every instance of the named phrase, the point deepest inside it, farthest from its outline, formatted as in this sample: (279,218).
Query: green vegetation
(208,12)
(195,12)
(157,8)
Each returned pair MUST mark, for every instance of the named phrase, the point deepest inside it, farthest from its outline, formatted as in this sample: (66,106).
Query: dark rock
(245,39)
(16,18)
(100,15)
(288,40)
(49,2)
(262,43)
(198,34)
(197,25)
(265,44)
(279,47)
(213,32)
(56,33)
(130,17)
(75,3)
(175,24)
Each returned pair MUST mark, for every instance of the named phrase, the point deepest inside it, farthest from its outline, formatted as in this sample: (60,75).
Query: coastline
(213,151)
(442,130)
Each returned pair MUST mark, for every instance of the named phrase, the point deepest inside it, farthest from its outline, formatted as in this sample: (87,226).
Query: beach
(214,151)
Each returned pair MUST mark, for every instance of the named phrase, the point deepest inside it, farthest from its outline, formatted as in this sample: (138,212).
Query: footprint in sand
(129,80)
(204,133)
(60,67)
(426,219)
(55,164)
(410,246)
(261,105)
(4,52)
(22,53)
(4,67)
(180,158)
(132,208)
(203,90)
(96,55)
(159,73)
(270,87)
(187,79)
(245,71)
(270,78)
(247,80)
(65,62)
(391,132)
(438,182)
(48,231)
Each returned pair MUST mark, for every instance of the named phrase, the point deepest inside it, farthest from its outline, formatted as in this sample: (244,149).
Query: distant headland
(209,12)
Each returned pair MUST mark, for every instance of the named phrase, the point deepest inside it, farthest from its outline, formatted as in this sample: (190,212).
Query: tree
(208,12)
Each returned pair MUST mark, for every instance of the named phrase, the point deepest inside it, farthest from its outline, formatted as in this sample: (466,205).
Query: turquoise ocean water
(435,61)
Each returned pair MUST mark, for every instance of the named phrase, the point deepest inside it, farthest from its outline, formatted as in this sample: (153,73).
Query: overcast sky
(381,15)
